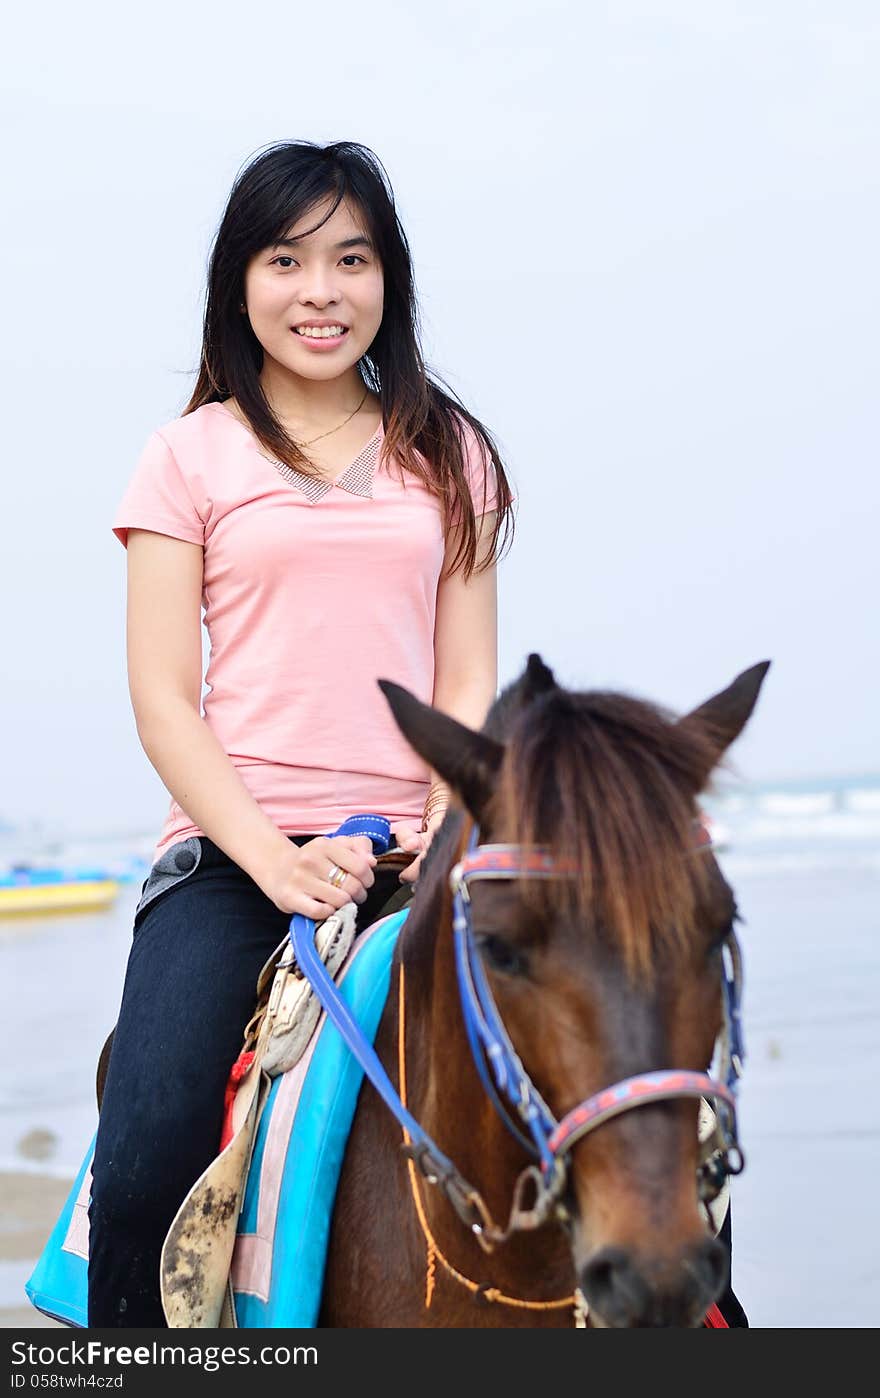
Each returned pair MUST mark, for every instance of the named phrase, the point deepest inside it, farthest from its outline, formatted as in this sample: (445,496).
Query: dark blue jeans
(201,937)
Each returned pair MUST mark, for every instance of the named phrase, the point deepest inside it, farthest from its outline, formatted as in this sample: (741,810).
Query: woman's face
(320,279)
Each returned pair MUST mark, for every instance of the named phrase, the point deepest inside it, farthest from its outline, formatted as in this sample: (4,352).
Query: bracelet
(438,800)
(436,789)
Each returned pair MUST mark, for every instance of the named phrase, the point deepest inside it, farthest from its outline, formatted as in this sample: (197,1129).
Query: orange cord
(434,1254)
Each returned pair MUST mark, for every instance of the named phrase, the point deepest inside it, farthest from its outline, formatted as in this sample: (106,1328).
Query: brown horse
(610,972)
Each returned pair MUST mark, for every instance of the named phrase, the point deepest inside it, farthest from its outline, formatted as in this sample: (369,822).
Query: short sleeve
(481,476)
(157,498)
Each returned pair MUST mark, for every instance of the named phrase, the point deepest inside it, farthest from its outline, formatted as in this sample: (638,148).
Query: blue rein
(431,1159)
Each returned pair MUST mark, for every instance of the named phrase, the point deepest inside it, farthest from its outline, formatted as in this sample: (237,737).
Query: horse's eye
(501,956)
(718,941)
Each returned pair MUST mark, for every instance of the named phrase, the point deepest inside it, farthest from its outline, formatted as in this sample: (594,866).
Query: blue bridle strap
(486,1029)
(464,972)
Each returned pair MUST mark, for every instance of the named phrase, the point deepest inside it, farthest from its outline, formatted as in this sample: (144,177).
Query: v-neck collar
(355,479)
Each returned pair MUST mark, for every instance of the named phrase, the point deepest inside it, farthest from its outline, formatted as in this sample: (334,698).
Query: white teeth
(320,332)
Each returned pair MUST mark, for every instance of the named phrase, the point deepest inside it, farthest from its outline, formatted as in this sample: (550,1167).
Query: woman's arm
(466,636)
(465,667)
(164,643)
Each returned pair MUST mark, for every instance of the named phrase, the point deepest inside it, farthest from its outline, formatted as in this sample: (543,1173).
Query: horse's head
(611,971)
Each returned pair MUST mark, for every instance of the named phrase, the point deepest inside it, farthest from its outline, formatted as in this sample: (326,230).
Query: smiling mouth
(308,332)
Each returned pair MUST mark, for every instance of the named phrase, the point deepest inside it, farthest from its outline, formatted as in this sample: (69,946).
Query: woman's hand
(300,881)
(410,838)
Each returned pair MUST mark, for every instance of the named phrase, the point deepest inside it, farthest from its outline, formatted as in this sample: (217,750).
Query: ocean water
(804,860)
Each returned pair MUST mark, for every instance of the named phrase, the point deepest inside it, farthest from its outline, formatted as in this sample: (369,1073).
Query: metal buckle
(457,882)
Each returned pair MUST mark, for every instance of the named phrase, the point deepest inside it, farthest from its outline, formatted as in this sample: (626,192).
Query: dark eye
(501,956)
(720,938)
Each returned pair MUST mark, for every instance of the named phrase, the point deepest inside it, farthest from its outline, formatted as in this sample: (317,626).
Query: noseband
(548,1140)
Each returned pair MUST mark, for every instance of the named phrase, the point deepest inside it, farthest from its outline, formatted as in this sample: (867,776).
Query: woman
(339,518)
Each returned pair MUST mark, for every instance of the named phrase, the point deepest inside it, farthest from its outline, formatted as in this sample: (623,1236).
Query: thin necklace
(336,429)
(245,423)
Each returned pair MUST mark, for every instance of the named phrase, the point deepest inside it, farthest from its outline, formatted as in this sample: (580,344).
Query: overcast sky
(645,238)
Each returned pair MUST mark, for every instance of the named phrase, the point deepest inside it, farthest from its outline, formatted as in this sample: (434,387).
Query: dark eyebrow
(359,242)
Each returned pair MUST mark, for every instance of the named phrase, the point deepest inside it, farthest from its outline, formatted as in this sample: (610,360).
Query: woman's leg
(190,989)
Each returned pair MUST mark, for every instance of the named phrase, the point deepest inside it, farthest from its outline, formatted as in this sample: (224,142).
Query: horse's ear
(723,717)
(537,678)
(467,760)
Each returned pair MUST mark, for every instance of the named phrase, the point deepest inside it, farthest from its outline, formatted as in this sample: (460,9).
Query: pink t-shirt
(312,591)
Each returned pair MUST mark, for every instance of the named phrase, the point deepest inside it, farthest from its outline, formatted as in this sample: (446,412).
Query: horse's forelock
(608,782)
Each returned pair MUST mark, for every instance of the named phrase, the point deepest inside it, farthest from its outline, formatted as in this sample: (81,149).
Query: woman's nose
(319,290)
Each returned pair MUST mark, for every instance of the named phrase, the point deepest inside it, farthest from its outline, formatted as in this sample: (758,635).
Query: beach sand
(30,1206)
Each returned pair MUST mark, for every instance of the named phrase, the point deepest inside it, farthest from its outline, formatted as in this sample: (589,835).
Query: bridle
(547,1139)
(552,1139)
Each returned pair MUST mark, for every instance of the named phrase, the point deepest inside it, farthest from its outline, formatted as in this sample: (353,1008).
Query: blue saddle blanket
(284,1225)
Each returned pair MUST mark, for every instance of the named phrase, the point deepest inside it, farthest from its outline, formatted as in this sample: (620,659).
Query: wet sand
(29,1206)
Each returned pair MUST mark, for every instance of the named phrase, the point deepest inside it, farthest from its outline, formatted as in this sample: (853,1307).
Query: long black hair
(425,424)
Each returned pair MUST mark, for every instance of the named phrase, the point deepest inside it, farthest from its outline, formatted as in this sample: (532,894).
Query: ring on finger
(336,876)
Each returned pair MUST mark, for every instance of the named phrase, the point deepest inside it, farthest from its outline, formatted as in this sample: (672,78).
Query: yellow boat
(74,895)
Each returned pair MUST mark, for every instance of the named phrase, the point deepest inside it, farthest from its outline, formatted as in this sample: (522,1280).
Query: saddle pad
(284,1226)
(59,1284)
(278,1261)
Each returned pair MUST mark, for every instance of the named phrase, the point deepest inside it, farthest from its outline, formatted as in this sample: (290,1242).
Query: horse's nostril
(614,1289)
(710,1270)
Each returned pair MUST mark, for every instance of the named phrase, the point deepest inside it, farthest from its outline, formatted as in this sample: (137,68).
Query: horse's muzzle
(626,1289)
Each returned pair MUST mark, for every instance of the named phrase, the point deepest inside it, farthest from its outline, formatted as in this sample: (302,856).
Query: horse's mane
(607,782)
